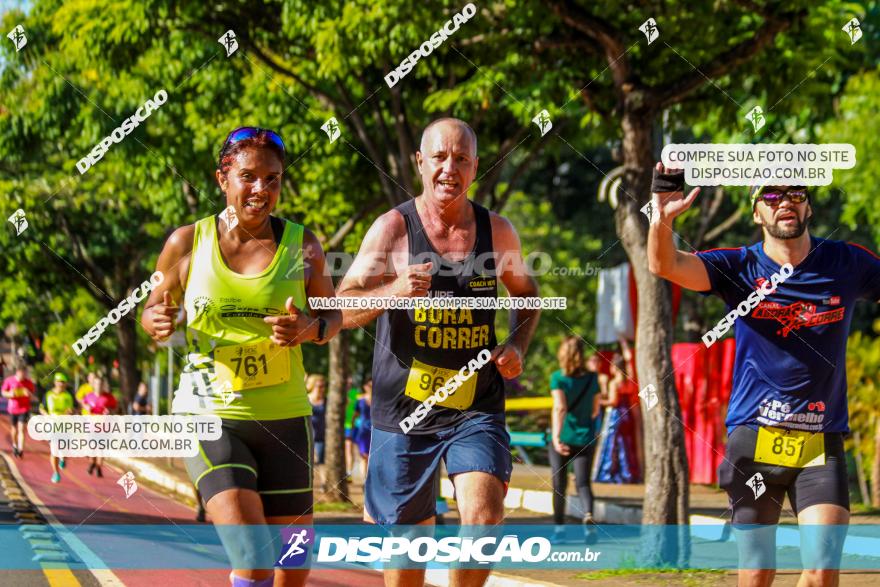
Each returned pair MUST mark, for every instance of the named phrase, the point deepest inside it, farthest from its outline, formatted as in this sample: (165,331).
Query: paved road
(81,499)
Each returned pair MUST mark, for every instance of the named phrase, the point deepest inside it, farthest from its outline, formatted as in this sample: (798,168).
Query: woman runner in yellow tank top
(245,287)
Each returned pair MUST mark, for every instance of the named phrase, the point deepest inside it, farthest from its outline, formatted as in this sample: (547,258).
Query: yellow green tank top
(233,370)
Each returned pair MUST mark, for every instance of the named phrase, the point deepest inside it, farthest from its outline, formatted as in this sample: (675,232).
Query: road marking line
(60,577)
(105,577)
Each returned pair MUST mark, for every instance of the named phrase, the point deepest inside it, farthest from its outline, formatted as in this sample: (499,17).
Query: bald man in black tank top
(440,244)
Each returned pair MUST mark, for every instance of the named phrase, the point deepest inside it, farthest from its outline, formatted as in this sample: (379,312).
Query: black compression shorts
(271,457)
(824,484)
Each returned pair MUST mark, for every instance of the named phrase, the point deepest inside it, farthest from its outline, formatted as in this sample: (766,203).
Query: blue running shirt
(790,368)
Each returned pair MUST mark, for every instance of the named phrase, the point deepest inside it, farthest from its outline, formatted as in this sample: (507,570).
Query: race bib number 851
(789,448)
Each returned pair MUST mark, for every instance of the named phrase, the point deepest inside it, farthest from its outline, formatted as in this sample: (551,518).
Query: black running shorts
(808,486)
(271,457)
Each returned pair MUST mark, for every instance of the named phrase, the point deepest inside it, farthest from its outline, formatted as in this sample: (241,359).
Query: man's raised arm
(664,259)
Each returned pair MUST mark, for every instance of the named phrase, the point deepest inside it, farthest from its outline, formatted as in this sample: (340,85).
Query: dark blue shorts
(400,485)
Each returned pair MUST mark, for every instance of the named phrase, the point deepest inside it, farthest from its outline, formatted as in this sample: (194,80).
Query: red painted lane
(81,498)
(84,499)
(324,578)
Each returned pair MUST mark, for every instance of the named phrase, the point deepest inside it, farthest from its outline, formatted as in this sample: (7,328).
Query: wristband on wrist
(667,182)
(322,330)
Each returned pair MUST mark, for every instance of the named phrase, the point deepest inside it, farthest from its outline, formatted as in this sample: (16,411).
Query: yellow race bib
(425,379)
(790,448)
(248,366)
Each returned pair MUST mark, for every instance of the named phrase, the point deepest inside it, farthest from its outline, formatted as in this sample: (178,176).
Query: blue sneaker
(56,478)
(61,463)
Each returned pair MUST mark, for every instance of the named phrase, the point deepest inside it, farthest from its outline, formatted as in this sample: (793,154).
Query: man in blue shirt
(790,300)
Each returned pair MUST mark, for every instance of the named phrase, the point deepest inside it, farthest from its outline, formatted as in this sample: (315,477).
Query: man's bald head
(447,159)
(440,125)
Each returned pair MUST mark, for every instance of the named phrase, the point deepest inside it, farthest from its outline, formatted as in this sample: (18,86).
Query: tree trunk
(691,315)
(336,488)
(126,335)
(666,467)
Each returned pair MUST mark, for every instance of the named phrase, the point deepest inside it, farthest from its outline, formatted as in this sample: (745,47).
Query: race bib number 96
(426,379)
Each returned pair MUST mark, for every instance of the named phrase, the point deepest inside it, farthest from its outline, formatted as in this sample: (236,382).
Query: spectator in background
(594,365)
(362,424)
(100,403)
(316,386)
(630,391)
(575,392)
(18,390)
(140,406)
(57,402)
(618,460)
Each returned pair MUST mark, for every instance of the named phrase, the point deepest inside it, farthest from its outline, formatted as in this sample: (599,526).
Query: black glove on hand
(667,182)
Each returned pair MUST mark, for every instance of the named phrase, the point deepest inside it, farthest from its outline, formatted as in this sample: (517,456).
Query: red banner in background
(703,377)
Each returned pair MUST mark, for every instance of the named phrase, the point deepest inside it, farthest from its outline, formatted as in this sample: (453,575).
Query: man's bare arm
(374,271)
(664,259)
(514,275)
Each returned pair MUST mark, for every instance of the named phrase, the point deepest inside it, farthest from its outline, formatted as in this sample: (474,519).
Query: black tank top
(417,350)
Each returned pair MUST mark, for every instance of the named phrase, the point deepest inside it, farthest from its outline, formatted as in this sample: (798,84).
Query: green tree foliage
(89,64)
(857,124)
(863,377)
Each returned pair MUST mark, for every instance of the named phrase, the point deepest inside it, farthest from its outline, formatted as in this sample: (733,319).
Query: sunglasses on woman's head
(249,132)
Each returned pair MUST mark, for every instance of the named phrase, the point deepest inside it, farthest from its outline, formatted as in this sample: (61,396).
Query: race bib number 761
(248,366)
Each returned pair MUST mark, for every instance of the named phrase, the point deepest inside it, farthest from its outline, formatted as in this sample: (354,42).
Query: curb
(606,512)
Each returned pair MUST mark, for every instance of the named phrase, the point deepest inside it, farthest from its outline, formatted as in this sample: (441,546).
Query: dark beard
(788,233)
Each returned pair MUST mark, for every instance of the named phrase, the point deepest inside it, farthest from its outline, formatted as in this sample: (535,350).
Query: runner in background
(18,390)
(350,446)
(85,389)
(316,385)
(100,403)
(57,402)
(140,406)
